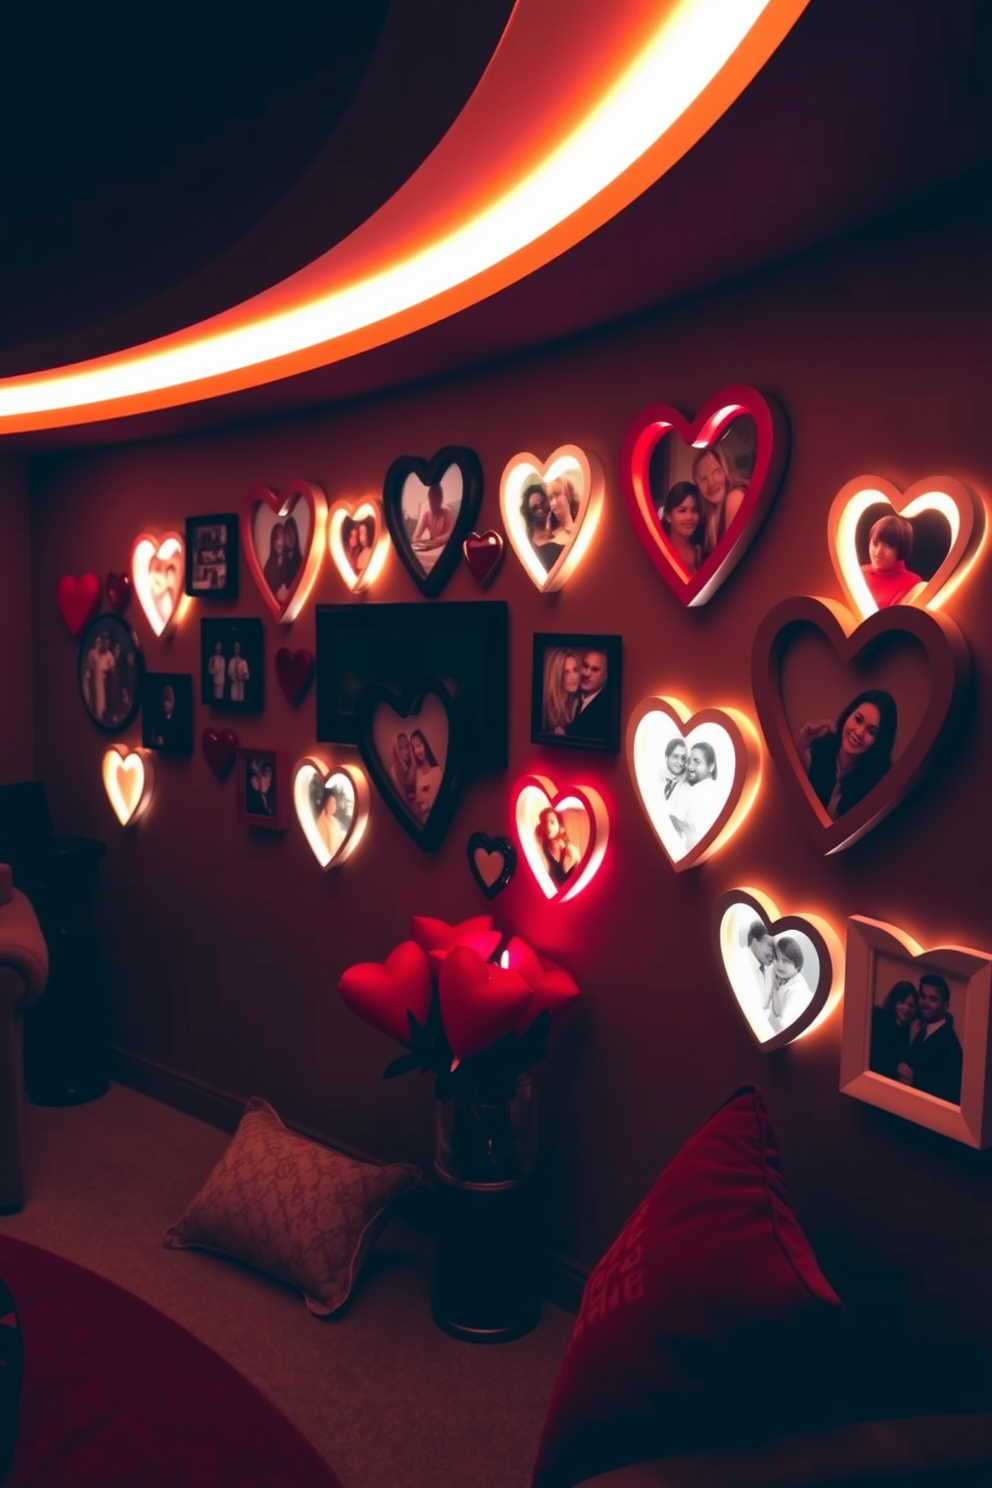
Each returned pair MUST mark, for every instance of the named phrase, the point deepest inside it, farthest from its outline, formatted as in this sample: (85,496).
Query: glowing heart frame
(950,667)
(538,791)
(818,931)
(358,511)
(169,548)
(525,469)
(487,848)
(136,767)
(661,420)
(282,503)
(305,772)
(643,763)
(965,517)
(868,941)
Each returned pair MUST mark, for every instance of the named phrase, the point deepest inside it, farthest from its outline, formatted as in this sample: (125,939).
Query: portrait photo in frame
(262,790)
(575,691)
(167,712)
(212,556)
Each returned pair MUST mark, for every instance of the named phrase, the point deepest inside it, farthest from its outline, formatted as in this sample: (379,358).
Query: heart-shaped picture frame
(562,834)
(412,745)
(430,508)
(893,547)
(282,533)
(483,553)
(332,807)
(785,971)
(694,773)
(551,510)
(220,750)
(158,578)
(697,491)
(851,758)
(357,541)
(129,780)
(78,600)
(492,862)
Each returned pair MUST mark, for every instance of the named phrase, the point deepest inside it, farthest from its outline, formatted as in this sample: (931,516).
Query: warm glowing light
(264,508)
(158,568)
(582,816)
(586,478)
(665,73)
(129,780)
(504,960)
(364,511)
(332,807)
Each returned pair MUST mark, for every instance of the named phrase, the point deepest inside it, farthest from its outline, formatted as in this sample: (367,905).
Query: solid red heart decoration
(483,552)
(117,587)
(294,670)
(78,600)
(383,993)
(437,937)
(219,750)
(480,1003)
(553,987)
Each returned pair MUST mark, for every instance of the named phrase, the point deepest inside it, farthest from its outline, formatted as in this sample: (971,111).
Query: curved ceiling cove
(524,173)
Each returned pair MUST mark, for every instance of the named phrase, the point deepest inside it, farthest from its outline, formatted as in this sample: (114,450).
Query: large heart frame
(660,420)
(282,502)
(512,484)
(406,705)
(429,471)
(950,667)
(560,800)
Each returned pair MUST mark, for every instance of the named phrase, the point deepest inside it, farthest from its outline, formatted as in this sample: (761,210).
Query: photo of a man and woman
(358,538)
(232,676)
(281,545)
(552,510)
(685,781)
(898,557)
(575,700)
(697,493)
(414,751)
(774,977)
(167,712)
(212,556)
(916,1020)
(429,515)
(110,669)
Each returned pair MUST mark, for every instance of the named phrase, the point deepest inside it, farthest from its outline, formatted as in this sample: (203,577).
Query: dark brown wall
(16,634)
(226,945)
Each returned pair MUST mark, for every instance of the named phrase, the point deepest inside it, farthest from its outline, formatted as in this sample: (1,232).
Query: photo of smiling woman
(847,759)
(562,670)
(721,490)
(681,518)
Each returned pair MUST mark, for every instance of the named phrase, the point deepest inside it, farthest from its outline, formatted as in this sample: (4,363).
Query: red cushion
(707,1318)
(117,1394)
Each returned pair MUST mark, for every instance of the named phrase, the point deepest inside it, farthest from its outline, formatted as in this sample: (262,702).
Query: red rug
(116,1394)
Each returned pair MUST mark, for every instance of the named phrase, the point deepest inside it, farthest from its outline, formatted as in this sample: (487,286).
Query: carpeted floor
(383,1394)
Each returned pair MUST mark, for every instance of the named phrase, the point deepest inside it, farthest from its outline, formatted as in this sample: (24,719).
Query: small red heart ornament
(117,587)
(483,552)
(78,600)
(480,1002)
(219,750)
(383,993)
(294,670)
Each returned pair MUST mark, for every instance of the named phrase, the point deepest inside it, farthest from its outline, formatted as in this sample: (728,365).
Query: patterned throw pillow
(11,1374)
(289,1207)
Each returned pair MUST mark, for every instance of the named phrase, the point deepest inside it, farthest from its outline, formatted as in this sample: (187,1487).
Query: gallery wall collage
(411,698)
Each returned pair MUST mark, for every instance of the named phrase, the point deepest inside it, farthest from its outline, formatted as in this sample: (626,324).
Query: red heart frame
(78,600)
(599,830)
(950,666)
(660,420)
(282,503)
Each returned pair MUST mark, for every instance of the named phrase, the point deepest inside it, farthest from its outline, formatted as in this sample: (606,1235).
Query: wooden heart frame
(305,771)
(526,468)
(357,511)
(717,414)
(950,667)
(129,805)
(491,846)
(428,472)
(282,503)
(818,931)
(528,793)
(145,550)
(407,705)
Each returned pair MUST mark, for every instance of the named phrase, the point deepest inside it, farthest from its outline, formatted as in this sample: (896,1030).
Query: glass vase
(487,1142)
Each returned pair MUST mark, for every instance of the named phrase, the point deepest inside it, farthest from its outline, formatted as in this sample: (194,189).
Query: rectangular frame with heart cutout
(564,711)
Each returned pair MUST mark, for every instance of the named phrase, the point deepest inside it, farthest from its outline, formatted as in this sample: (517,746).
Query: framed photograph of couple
(917,1030)
(575,692)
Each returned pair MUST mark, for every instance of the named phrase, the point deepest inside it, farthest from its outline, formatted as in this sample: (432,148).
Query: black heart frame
(429,472)
(406,705)
(501,845)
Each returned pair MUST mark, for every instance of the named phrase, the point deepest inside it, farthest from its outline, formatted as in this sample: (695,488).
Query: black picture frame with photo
(393,645)
(212,548)
(109,670)
(232,665)
(575,691)
(167,712)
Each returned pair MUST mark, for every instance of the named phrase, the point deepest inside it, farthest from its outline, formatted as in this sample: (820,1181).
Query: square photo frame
(232,665)
(212,545)
(262,789)
(575,692)
(916,1037)
(167,712)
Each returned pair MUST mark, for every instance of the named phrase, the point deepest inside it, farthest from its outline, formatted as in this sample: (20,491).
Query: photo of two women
(697,492)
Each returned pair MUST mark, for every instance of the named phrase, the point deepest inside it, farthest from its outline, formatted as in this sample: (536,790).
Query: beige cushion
(287,1206)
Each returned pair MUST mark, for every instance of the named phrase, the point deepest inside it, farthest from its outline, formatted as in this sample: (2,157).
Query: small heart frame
(359,564)
(266,514)
(129,780)
(536,801)
(492,861)
(544,501)
(158,578)
(331,802)
(785,971)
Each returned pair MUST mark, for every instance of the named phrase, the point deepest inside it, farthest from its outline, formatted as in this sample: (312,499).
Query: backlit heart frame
(332,807)
(778,1012)
(492,861)
(879,957)
(291,591)
(942,494)
(359,567)
(570,480)
(158,578)
(661,420)
(129,780)
(535,795)
(950,667)
(458,472)
(694,829)
(421,795)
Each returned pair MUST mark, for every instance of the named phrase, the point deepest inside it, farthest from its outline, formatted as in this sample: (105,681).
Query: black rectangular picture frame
(604,735)
(232,549)
(169,733)
(250,636)
(463,642)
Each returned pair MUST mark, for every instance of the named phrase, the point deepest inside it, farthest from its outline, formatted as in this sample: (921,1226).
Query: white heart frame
(336,843)
(569,462)
(358,511)
(129,780)
(146,550)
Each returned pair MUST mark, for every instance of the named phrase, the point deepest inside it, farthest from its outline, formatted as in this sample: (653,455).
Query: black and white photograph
(575,697)
(282,545)
(212,556)
(110,670)
(262,788)
(414,752)
(916,1017)
(430,514)
(167,712)
(774,977)
(697,492)
(232,670)
(685,780)
(332,807)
